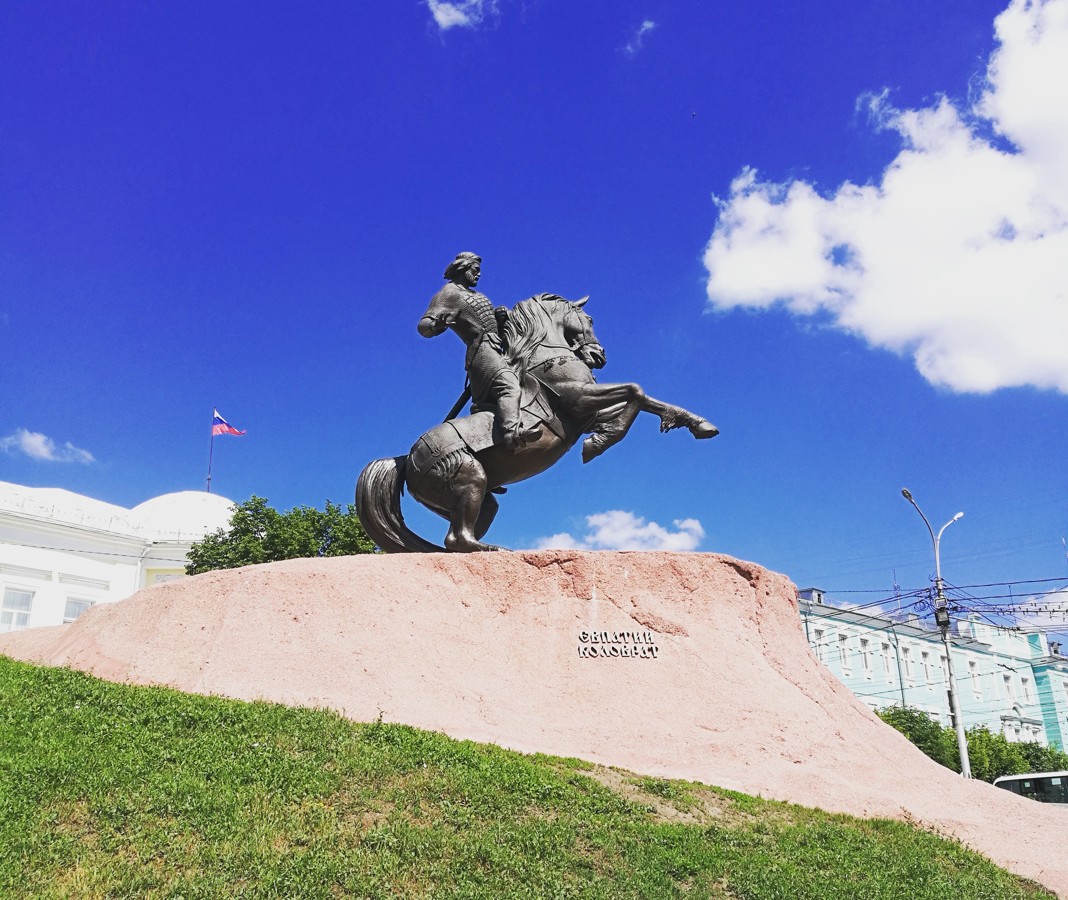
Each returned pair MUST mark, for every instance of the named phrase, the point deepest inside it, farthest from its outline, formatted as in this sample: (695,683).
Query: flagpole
(219,425)
(211,450)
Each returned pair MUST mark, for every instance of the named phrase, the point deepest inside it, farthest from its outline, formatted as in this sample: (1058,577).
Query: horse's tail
(378,492)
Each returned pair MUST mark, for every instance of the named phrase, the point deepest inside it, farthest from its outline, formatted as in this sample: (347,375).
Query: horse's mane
(527,327)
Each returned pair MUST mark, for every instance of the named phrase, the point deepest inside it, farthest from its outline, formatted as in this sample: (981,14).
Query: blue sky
(836,230)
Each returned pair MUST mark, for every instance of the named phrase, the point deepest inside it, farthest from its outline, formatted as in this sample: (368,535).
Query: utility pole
(942,621)
(897,655)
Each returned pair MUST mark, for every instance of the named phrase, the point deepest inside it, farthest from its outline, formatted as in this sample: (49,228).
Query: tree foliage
(259,533)
(990,754)
(937,742)
(1043,759)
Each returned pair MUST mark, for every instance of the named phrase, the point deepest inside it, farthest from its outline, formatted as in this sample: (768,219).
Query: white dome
(190,514)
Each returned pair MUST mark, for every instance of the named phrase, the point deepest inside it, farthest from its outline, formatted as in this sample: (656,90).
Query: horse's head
(549,322)
(578,332)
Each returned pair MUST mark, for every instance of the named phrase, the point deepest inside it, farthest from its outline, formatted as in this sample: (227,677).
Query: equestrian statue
(530,380)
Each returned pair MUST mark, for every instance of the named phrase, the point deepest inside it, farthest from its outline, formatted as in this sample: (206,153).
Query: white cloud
(635,44)
(41,447)
(460,13)
(959,255)
(619,530)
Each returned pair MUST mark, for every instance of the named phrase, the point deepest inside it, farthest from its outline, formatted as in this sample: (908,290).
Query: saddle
(479,430)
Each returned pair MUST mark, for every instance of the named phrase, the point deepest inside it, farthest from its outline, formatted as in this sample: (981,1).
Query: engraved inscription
(617,645)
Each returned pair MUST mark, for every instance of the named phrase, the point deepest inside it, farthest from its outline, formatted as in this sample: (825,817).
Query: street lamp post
(942,621)
(897,656)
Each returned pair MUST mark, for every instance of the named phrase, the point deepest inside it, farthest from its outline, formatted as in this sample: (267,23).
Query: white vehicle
(1046,787)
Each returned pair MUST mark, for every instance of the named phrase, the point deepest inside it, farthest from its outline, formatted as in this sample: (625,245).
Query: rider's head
(465,269)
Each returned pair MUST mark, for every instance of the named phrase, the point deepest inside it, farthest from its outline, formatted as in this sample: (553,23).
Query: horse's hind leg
(468,484)
(486,515)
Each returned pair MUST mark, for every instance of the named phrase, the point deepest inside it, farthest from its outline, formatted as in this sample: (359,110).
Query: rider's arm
(438,316)
(430,326)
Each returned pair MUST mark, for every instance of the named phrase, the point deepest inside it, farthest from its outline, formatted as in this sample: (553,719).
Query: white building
(1011,682)
(61,553)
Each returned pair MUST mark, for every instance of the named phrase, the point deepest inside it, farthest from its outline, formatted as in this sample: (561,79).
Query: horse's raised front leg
(676,417)
(630,400)
(614,407)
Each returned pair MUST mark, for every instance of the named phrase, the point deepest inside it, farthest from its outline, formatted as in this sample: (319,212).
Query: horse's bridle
(585,335)
(585,339)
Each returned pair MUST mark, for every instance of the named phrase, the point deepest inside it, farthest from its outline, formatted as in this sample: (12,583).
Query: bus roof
(1025,776)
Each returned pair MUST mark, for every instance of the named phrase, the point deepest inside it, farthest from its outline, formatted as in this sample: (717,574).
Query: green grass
(114,791)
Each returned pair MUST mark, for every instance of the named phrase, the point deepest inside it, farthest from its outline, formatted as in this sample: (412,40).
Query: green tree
(258,533)
(937,742)
(1043,759)
(992,755)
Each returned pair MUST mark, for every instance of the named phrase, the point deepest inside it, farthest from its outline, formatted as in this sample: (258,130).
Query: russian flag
(219,425)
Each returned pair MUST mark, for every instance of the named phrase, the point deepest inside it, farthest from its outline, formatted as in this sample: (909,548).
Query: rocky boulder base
(680,665)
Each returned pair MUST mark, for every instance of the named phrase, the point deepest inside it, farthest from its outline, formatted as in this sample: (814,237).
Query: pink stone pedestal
(716,683)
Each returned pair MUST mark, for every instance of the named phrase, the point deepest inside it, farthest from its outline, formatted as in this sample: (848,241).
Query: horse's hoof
(468,545)
(703,429)
(591,449)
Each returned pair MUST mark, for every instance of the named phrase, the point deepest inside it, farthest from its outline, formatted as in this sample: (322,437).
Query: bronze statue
(535,396)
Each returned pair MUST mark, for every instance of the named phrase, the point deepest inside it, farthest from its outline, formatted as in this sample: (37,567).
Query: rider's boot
(515,436)
(515,439)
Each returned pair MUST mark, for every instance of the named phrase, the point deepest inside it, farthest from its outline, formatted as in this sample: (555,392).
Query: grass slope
(116,791)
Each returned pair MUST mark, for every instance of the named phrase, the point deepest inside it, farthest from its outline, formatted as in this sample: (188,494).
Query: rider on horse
(471,315)
(456,467)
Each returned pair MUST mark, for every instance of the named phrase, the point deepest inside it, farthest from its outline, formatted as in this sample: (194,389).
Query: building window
(973,674)
(906,659)
(15,611)
(74,608)
(865,657)
(1009,693)
(1025,683)
(843,651)
(926,659)
(886,662)
(164,577)
(819,643)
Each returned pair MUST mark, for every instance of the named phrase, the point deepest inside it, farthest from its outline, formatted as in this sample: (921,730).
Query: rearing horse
(455,468)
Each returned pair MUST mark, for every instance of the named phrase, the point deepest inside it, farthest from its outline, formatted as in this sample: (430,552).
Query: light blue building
(1011,682)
